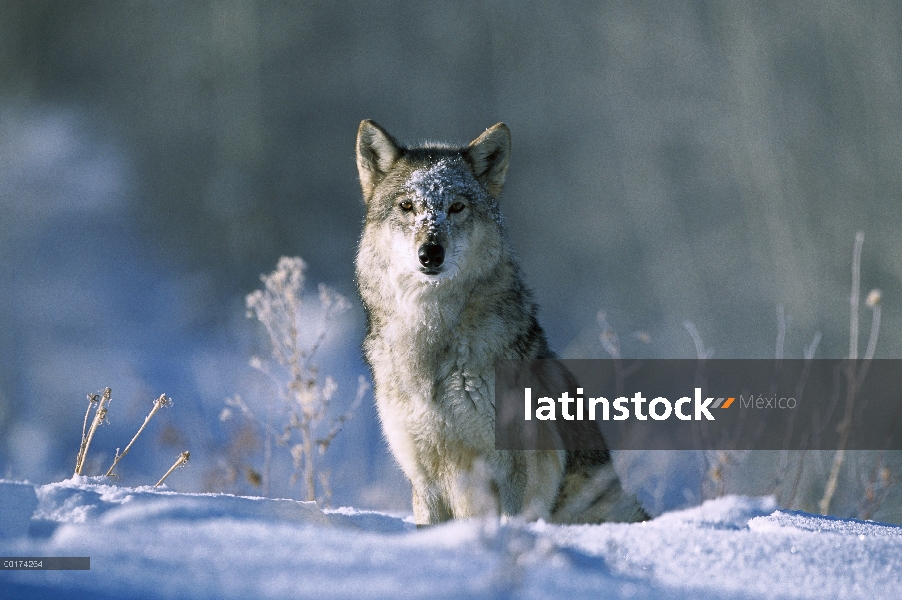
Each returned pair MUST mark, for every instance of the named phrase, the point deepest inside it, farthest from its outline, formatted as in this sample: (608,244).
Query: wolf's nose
(431,255)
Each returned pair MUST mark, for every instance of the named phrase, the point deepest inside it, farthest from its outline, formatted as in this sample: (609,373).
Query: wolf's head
(432,213)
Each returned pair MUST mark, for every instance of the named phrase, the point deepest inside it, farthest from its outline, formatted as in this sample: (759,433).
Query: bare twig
(873,302)
(854,298)
(181,461)
(324,442)
(610,341)
(307,396)
(781,332)
(811,349)
(92,400)
(700,350)
(99,416)
(853,377)
(157,405)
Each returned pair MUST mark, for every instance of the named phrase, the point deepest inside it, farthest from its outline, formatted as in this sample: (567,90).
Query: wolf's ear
(488,155)
(377,151)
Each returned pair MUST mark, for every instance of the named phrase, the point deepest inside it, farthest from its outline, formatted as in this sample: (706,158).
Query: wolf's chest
(437,398)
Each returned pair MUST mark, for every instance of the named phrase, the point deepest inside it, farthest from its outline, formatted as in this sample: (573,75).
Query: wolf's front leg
(429,507)
(474,492)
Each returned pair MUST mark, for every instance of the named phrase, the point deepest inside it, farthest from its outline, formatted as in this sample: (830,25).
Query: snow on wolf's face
(446,221)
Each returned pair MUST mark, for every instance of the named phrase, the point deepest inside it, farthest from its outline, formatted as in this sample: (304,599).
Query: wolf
(444,298)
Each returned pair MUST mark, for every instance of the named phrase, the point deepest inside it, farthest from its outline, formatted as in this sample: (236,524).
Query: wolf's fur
(444,299)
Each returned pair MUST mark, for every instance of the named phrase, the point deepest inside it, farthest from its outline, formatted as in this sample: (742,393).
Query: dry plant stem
(309,468)
(157,405)
(871,502)
(875,330)
(701,352)
(99,416)
(92,398)
(362,387)
(713,470)
(853,378)
(279,307)
(855,297)
(781,332)
(269,432)
(180,462)
(808,353)
(267,456)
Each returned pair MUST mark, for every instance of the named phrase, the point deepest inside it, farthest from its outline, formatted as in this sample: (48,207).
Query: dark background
(672,161)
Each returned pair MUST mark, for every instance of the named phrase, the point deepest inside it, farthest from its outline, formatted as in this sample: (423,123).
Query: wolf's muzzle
(431,256)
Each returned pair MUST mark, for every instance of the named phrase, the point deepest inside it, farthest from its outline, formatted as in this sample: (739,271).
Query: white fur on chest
(434,393)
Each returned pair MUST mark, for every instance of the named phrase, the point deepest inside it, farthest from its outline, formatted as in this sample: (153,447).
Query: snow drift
(155,543)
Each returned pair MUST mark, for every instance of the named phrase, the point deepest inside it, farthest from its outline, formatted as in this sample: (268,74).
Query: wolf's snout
(431,255)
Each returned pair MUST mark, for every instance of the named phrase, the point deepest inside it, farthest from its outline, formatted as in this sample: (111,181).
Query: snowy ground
(146,543)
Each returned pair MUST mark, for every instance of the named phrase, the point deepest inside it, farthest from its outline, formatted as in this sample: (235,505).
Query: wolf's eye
(406,205)
(456,207)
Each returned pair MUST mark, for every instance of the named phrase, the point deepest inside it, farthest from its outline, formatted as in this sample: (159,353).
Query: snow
(156,543)
(442,182)
(440,185)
